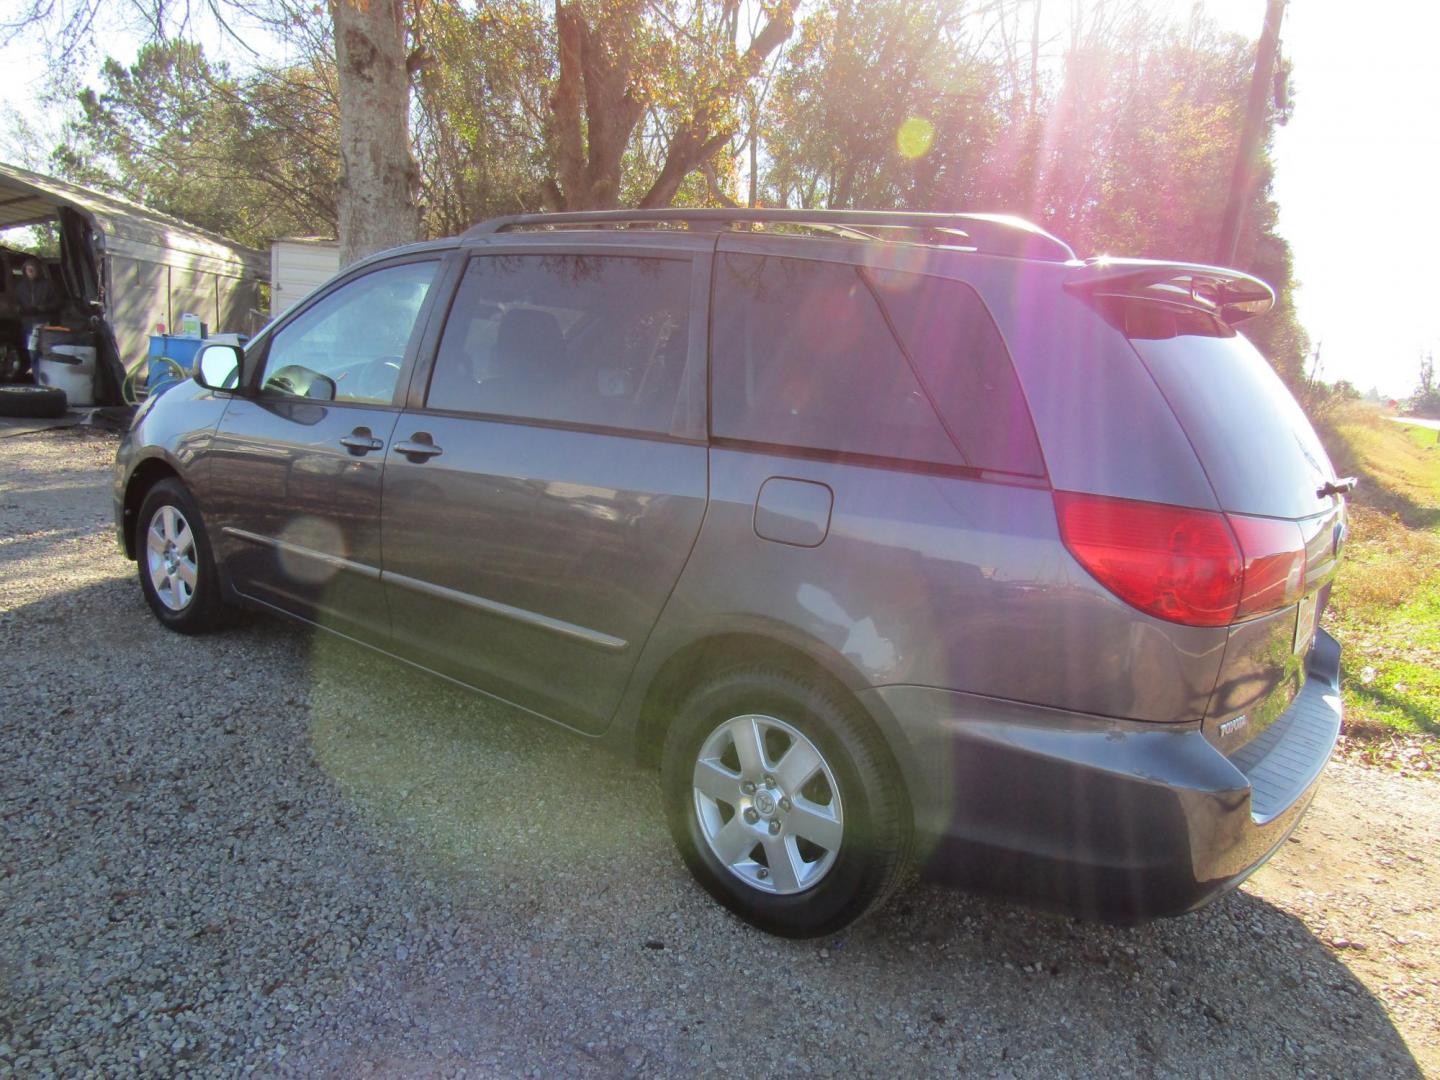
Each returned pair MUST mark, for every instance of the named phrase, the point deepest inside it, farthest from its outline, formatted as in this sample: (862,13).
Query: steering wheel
(376,380)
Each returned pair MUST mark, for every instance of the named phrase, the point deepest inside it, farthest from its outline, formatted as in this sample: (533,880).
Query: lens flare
(915,137)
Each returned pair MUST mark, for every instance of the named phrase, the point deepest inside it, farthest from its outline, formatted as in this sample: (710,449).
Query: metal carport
(143,267)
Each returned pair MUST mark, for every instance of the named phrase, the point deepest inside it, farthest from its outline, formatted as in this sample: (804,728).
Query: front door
(544,492)
(296,467)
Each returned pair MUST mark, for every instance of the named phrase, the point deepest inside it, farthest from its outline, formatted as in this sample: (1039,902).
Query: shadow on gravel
(41,543)
(458,889)
(552,835)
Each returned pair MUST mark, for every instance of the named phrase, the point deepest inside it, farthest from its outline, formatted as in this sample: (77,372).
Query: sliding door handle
(418,448)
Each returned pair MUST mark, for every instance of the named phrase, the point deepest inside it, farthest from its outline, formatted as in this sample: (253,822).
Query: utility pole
(1242,181)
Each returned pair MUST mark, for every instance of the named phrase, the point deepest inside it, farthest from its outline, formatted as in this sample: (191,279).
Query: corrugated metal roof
(28,198)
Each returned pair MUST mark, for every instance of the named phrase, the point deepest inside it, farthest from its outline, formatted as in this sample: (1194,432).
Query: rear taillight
(1169,561)
(1274,563)
(1197,567)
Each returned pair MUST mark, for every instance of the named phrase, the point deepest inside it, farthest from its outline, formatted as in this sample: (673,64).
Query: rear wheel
(177,569)
(784,801)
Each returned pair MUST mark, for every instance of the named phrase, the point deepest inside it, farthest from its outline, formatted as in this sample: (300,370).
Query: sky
(1357,169)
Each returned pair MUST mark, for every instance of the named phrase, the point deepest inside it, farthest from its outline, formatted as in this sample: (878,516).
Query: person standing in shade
(39,303)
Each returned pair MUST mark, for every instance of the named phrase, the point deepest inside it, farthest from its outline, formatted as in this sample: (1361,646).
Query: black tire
(34,402)
(875,848)
(204,609)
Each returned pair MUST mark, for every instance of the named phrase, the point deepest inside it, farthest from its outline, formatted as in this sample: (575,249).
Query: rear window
(959,353)
(1253,440)
(828,356)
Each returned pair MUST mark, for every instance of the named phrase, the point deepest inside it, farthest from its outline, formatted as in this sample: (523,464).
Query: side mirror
(322,388)
(296,380)
(217,367)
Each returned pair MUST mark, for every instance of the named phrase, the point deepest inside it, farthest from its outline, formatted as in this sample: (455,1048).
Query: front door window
(351,345)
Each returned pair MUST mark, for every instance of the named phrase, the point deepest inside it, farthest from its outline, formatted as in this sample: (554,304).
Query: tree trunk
(696,142)
(687,153)
(595,107)
(1252,136)
(593,112)
(566,109)
(378,175)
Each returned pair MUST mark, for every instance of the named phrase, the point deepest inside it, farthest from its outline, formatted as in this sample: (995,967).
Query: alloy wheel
(768,804)
(170,557)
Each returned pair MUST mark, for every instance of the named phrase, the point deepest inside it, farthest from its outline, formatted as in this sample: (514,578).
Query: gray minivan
(893,539)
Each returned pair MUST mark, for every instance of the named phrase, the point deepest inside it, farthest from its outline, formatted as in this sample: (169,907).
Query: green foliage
(1345,390)
(1385,604)
(856,74)
(42,239)
(1321,400)
(1426,399)
(251,157)
(480,100)
(1127,148)
(1424,404)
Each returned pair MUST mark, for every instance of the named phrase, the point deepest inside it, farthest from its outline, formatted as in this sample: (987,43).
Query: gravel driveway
(266,852)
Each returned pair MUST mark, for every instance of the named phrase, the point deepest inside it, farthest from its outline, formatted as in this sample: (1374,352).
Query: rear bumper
(1107,819)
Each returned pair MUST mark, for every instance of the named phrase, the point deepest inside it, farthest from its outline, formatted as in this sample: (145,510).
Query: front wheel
(177,568)
(785,802)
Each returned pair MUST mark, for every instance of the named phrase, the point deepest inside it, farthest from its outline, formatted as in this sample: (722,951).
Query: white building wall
(297,267)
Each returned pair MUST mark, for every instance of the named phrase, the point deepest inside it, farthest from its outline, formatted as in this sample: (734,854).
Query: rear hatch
(1271,477)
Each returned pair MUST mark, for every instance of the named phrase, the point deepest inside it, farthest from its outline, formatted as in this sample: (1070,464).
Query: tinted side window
(588,339)
(960,355)
(356,336)
(802,356)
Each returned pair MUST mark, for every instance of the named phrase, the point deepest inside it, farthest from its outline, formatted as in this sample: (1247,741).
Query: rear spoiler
(1229,294)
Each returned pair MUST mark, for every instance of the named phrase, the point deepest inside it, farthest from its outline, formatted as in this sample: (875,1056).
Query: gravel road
(266,852)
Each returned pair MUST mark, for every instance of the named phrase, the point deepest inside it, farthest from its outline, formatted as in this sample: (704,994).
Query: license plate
(1305,624)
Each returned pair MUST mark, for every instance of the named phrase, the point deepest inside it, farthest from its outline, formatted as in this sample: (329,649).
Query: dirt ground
(1363,874)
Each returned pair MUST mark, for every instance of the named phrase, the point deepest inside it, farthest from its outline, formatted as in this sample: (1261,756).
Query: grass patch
(1399,463)
(1400,695)
(1388,566)
(1385,606)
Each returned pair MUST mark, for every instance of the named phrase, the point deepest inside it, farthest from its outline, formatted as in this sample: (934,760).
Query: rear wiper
(1342,486)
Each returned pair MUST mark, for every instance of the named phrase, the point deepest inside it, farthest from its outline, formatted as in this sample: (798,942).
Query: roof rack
(992,234)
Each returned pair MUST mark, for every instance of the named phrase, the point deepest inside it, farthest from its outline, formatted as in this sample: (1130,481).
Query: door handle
(418,448)
(360,442)
(1337,487)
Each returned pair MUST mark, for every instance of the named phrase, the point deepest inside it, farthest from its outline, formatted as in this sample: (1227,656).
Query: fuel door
(795,512)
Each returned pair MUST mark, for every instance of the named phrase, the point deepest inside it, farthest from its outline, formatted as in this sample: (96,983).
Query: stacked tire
(32,402)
